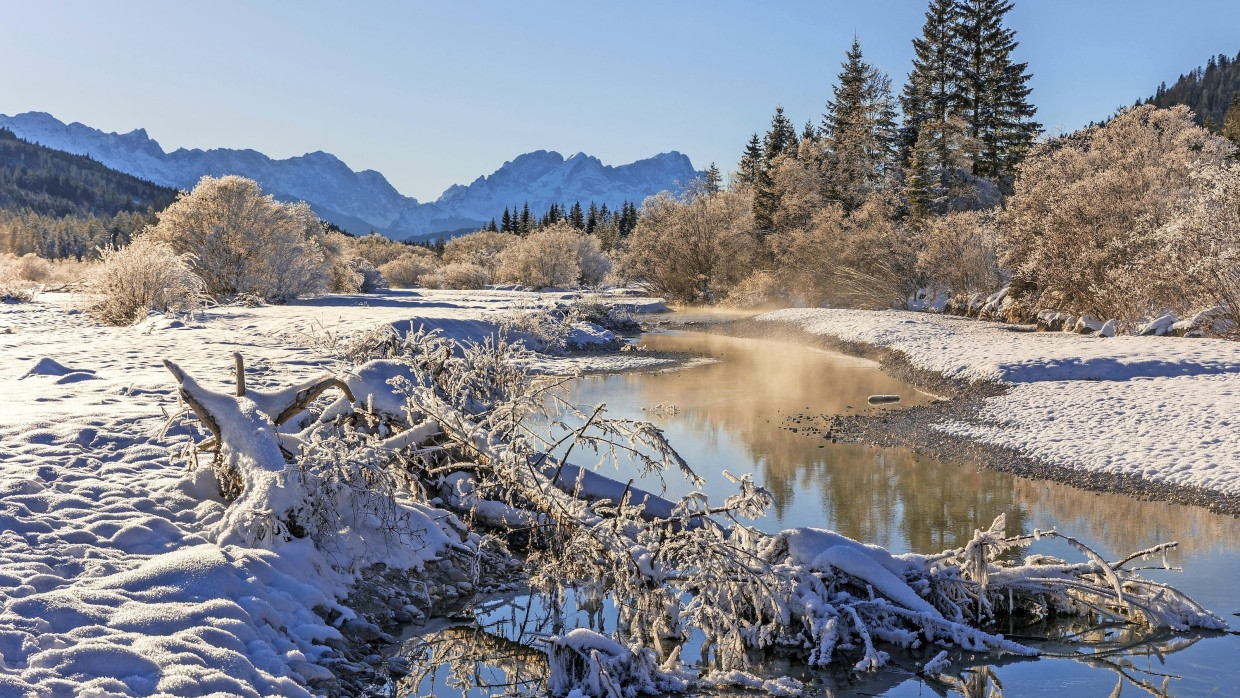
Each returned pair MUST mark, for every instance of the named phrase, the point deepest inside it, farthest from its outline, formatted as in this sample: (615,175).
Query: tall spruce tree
(993,94)
(931,93)
(859,131)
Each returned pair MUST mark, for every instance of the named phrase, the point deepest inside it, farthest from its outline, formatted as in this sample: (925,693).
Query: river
(748,407)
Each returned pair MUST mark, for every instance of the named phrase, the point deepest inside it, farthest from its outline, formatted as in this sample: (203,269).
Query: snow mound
(48,366)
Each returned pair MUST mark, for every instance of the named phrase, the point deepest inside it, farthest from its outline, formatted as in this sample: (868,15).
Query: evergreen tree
(711,179)
(808,132)
(781,138)
(931,93)
(576,218)
(527,223)
(1231,122)
(859,131)
(492,227)
(993,95)
(751,161)
(591,219)
(506,222)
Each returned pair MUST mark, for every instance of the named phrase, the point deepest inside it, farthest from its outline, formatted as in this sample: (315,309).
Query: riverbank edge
(913,427)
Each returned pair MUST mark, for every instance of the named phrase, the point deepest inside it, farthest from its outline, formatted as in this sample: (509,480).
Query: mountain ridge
(365,199)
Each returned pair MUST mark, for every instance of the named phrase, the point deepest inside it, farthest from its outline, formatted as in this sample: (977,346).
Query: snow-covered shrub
(356,275)
(18,291)
(958,253)
(407,270)
(696,249)
(557,255)
(1080,233)
(458,276)
(242,241)
(146,275)
(482,248)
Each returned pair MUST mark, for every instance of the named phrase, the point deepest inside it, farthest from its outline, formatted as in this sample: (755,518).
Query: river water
(743,410)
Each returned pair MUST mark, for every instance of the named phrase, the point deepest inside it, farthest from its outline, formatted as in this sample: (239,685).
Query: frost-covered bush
(356,275)
(865,258)
(146,275)
(959,255)
(1201,243)
(694,249)
(557,255)
(760,288)
(407,270)
(378,250)
(1080,233)
(241,241)
(482,248)
(35,269)
(457,276)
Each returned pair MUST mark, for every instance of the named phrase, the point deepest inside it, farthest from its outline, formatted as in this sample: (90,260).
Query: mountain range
(364,201)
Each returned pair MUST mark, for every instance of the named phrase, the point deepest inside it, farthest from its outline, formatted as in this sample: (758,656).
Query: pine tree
(993,95)
(808,132)
(527,223)
(751,161)
(506,222)
(492,227)
(576,217)
(859,131)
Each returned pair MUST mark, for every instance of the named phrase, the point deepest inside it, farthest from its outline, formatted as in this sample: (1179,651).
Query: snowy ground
(108,583)
(1160,408)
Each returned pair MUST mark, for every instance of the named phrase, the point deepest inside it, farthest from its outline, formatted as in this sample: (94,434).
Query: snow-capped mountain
(363,201)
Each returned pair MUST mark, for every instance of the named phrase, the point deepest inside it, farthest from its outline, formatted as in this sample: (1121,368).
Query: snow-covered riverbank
(1159,409)
(108,579)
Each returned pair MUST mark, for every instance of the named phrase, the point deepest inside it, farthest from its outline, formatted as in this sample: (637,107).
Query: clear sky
(437,93)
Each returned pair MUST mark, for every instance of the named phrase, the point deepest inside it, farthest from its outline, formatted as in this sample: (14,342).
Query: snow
(1159,408)
(121,573)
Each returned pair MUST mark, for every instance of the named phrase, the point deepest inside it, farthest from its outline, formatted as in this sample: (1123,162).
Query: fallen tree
(431,430)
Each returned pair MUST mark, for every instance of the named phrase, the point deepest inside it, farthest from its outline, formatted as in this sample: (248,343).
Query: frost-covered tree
(557,255)
(693,249)
(1080,231)
(859,131)
(242,241)
(482,249)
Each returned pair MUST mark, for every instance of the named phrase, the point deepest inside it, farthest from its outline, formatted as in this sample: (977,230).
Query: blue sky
(433,94)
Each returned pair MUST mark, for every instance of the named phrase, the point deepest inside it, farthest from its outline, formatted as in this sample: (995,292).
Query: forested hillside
(1207,91)
(56,204)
